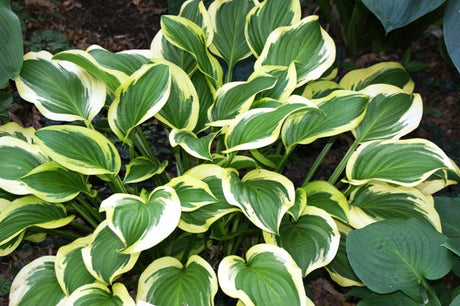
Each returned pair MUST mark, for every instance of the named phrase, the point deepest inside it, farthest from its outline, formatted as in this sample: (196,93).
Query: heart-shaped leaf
(155,216)
(263,196)
(267,268)
(99,294)
(397,254)
(312,240)
(167,282)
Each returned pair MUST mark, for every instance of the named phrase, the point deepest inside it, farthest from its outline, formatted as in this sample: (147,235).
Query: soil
(131,24)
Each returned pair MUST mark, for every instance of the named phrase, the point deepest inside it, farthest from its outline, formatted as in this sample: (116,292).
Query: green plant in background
(389,24)
(228,218)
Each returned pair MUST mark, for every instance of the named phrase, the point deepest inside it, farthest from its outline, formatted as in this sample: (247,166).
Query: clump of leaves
(227,218)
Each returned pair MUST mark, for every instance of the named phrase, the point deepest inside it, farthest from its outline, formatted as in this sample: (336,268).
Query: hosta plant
(224,215)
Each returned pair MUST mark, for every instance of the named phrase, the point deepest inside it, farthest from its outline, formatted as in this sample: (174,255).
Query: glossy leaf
(267,268)
(260,127)
(341,112)
(167,282)
(199,220)
(30,211)
(396,254)
(266,17)
(395,14)
(235,98)
(188,36)
(195,11)
(53,183)
(139,98)
(70,269)
(79,149)
(199,147)
(228,19)
(403,162)
(391,73)
(263,196)
(312,56)
(326,196)
(142,168)
(46,83)
(391,113)
(378,201)
(99,294)
(312,240)
(142,222)
(102,257)
(18,159)
(206,98)
(286,82)
(36,284)
(193,193)
(11,50)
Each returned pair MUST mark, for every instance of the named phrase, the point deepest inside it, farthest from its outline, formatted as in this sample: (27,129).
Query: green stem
(87,217)
(229,74)
(143,146)
(177,157)
(235,225)
(284,159)
(89,209)
(338,171)
(319,159)
(118,184)
(188,249)
(81,227)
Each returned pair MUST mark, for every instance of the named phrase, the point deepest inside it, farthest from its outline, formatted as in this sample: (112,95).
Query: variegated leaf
(199,220)
(299,205)
(312,56)
(46,82)
(267,268)
(195,11)
(260,127)
(326,196)
(440,179)
(378,201)
(341,111)
(320,89)
(193,193)
(18,159)
(36,284)
(206,99)
(139,98)
(286,82)
(188,36)
(79,149)
(142,168)
(391,113)
(263,196)
(9,247)
(167,282)
(71,271)
(53,183)
(30,211)
(99,294)
(266,17)
(102,257)
(16,131)
(182,107)
(142,222)
(235,98)
(312,240)
(403,162)
(391,73)
(228,19)
(197,147)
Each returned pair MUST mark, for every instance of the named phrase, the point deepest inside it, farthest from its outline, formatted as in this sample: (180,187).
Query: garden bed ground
(131,24)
